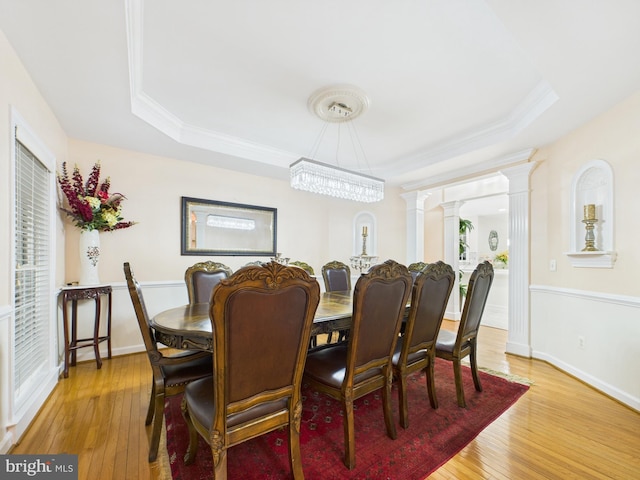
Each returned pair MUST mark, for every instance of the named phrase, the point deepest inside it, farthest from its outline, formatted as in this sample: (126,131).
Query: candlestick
(364,231)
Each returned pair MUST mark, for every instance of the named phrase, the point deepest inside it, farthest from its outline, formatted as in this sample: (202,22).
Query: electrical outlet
(580,341)
(552,265)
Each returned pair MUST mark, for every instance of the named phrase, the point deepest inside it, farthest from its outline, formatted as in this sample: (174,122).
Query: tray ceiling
(452,85)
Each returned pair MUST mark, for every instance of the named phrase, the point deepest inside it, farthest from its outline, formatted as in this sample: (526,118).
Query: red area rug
(433,436)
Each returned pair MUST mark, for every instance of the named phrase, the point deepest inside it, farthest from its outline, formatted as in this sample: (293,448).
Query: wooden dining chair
(309,269)
(455,346)
(415,268)
(170,372)
(202,277)
(349,370)
(304,265)
(415,350)
(337,278)
(261,318)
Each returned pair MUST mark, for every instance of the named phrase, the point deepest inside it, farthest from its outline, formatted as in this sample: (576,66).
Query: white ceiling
(455,86)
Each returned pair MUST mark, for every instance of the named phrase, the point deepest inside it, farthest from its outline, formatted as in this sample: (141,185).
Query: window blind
(32,278)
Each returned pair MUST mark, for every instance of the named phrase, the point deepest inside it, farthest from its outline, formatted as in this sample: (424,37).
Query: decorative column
(452,253)
(519,335)
(415,225)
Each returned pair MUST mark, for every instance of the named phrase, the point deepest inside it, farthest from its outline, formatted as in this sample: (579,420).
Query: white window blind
(32,277)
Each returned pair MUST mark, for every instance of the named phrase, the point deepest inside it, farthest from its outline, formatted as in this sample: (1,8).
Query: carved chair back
(202,277)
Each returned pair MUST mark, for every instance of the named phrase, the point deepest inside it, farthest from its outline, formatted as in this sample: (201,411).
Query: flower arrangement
(503,257)
(91,206)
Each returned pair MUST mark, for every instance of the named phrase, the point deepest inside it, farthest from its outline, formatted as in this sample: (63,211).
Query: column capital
(416,198)
(519,176)
(452,209)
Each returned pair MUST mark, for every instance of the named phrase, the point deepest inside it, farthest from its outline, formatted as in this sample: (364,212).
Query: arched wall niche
(592,185)
(361,221)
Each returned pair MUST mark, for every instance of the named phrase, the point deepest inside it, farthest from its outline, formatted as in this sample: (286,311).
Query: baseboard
(6,443)
(88,356)
(607,389)
(519,349)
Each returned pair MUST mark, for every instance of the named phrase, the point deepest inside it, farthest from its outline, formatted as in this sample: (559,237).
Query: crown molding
(155,114)
(534,104)
(460,173)
(539,99)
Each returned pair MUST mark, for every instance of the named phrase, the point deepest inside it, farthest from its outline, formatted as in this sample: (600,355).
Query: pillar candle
(590,212)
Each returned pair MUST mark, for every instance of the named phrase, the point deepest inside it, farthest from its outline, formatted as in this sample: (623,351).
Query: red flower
(104,216)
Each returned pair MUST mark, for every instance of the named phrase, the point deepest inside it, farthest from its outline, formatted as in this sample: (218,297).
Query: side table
(75,293)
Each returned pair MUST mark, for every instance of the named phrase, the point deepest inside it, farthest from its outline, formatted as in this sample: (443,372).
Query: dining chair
(349,370)
(454,346)
(202,277)
(170,372)
(309,269)
(337,278)
(415,350)
(261,321)
(253,264)
(303,265)
(415,268)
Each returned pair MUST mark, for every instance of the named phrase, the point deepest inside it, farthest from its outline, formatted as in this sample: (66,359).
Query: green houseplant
(465,226)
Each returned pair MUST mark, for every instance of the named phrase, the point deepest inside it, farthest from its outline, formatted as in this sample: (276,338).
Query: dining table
(188,327)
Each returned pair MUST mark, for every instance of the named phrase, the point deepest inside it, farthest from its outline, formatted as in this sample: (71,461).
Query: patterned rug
(433,436)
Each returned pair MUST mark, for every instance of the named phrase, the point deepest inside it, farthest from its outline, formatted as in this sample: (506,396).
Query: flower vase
(89,257)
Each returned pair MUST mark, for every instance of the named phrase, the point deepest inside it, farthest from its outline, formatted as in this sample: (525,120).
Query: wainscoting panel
(592,336)
(125,334)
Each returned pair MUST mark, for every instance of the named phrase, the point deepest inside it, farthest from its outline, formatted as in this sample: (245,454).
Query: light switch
(552,265)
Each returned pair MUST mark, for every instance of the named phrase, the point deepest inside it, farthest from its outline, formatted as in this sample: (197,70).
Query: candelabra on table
(363,261)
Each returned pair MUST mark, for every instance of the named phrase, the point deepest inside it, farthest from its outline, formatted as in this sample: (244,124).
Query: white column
(452,253)
(519,336)
(415,225)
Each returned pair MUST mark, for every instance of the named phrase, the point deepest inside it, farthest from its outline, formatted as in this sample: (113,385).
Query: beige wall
(312,228)
(615,138)
(18,95)
(18,91)
(586,321)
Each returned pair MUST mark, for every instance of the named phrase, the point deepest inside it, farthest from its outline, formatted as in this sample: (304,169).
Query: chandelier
(336,104)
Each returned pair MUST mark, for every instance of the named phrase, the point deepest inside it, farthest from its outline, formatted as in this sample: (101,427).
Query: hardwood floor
(560,429)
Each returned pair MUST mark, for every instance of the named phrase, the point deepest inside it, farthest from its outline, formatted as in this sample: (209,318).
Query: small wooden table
(75,293)
(189,327)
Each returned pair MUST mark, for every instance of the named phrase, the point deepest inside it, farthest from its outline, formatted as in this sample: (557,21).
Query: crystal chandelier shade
(317,177)
(337,104)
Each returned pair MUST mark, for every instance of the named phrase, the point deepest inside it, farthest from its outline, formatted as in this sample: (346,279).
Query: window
(33,326)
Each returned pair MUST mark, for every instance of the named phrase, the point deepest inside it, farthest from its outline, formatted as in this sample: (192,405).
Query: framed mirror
(210,227)
(493,240)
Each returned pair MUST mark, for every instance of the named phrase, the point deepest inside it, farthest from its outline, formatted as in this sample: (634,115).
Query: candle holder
(589,224)
(589,238)
(363,261)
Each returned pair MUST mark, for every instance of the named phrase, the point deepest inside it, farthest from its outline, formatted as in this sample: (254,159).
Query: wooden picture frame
(210,227)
